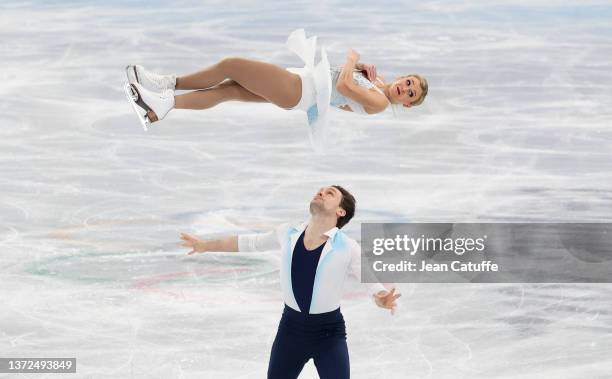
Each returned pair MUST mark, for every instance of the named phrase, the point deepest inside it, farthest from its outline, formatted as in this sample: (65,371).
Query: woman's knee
(234,91)
(230,65)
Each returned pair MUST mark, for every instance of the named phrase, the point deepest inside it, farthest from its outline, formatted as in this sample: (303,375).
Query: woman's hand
(352,56)
(196,245)
(369,69)
(386,299)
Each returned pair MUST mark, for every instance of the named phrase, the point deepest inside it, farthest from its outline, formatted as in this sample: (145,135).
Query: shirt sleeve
(260,241)
(355,270)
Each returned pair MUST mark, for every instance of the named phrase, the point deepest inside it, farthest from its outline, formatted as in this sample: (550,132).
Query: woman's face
(405,90)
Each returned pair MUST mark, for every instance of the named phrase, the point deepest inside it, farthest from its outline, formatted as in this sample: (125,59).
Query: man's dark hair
(348,204)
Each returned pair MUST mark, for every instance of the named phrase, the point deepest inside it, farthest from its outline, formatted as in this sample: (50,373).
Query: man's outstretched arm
(382,297)
(244,242)
(201,246)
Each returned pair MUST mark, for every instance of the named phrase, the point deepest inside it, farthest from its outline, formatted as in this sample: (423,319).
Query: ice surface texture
(516,126)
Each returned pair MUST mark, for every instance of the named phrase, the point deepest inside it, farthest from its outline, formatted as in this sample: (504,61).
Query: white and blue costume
(339,100)
(319,332)
(341,256)
(319,85)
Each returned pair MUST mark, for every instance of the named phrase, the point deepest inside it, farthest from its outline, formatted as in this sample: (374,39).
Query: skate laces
(157,79)
(166,94)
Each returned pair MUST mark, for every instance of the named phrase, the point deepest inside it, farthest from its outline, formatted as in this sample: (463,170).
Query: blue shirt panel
(303,269)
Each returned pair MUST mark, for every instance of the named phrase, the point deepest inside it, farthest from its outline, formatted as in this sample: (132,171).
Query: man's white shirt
(341,256)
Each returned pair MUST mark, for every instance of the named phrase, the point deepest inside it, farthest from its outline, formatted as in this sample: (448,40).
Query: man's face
(327,200)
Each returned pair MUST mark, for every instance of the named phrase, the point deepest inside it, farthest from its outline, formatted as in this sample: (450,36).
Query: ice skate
(149,106)
(149,79)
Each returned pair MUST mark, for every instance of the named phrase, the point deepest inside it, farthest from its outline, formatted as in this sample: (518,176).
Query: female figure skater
(314,88)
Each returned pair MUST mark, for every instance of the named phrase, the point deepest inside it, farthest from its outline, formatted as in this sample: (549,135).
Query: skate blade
(130,73)
(132,96)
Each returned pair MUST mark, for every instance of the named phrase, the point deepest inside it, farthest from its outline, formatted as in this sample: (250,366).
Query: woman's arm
(368,70)
(372,100)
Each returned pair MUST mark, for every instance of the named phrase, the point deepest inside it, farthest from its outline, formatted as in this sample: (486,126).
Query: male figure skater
(316,258)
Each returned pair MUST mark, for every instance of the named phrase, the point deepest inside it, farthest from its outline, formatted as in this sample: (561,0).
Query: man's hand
(386,299)
(196,245)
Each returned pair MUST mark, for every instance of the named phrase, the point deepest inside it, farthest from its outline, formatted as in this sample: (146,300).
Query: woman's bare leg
(208,98)
(205,78)
(271,82)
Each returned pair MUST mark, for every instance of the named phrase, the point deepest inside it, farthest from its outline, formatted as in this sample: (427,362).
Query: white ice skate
(149,106)
(149,79)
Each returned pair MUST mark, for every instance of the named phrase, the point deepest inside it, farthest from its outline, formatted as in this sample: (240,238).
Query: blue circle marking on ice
(160,267)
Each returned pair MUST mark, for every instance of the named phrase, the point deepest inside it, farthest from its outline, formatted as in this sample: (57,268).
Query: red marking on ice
(150,281)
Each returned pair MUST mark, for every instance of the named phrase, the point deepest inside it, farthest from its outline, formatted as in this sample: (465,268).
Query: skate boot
(149,106)
(149,79)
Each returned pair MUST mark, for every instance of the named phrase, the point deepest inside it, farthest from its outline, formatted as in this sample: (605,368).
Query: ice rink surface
(516,127)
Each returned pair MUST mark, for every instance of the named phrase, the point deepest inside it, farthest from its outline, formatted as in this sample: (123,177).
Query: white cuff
(374,288)
(246,242)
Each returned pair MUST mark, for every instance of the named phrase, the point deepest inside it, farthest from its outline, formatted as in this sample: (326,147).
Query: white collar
(331,233)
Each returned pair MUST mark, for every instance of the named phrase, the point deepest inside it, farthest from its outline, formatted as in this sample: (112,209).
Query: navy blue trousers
(301,337)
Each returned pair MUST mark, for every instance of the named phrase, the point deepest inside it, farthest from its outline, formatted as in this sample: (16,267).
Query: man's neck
(319,225)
